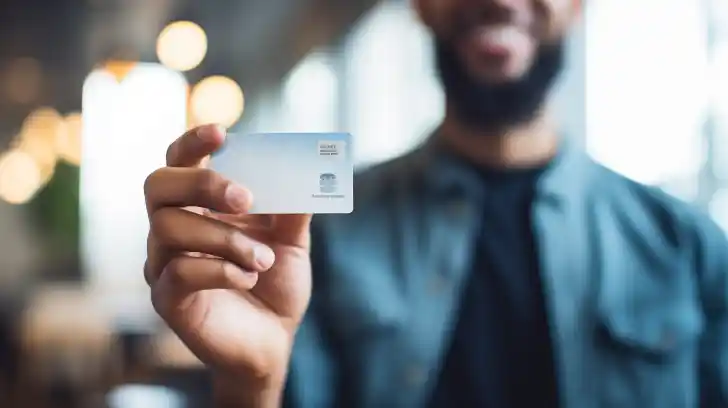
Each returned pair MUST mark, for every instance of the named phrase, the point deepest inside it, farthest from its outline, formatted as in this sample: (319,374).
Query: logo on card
(331,148)
(327,183)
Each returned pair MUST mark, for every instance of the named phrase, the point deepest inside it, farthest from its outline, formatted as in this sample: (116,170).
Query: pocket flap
(658,329)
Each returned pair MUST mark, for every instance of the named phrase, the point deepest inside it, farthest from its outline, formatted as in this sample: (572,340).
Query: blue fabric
(635,287)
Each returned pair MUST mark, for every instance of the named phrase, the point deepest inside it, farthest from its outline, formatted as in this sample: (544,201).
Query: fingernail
(264,257)
(209,133)
(237,198)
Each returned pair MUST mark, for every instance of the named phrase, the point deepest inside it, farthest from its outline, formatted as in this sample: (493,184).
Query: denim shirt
(636,289)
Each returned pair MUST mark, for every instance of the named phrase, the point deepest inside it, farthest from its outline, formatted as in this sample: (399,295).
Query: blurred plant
(55,212)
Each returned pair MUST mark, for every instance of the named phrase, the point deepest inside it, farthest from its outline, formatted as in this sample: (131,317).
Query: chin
(498,73)
(497,69)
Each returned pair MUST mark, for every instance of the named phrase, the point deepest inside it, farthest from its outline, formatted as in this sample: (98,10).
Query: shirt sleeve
(713,268)
(314,374)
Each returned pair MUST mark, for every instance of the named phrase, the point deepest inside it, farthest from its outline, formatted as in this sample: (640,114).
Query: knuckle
(234,241)
(229,238)
(147,272)
(158,303)
(227,271)
(174,272)
(151,245)
(172,150)
(250,255)
(151,181)
(177,149)
(161,222)
(233,276)
(209,184)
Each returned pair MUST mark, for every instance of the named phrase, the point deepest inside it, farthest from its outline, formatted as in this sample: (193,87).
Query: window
(719,109)
(719,88)
(393,98)
(646,89)
(310,96)
(127,127)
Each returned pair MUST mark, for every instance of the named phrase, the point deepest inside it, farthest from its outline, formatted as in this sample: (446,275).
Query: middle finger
(178,230)
(187,187)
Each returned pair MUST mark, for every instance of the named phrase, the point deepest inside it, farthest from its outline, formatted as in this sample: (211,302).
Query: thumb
(293,229)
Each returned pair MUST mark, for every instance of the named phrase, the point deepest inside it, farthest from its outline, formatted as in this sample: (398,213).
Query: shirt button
(414,376)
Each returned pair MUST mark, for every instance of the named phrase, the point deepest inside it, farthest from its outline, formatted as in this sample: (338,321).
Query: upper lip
(491,16)
(484,29)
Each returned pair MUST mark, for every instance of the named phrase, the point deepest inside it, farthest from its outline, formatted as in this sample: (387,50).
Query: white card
(291,173)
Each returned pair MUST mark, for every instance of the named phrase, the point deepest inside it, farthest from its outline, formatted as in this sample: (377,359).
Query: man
(496,266)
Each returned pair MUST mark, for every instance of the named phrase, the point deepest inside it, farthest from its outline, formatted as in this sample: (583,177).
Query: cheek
(555,18)
(440,17)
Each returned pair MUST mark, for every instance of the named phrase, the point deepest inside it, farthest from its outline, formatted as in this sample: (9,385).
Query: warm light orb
(38,138)
(20,177)
(119,68)
(182,45)
(23,80)
(68,145)
(39,135)
(217,99)
(43,154)
(43,121)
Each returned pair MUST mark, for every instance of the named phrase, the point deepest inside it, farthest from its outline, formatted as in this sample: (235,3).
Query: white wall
(646,83)
(127,128)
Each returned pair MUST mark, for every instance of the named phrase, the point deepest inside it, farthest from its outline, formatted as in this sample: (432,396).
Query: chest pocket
(365,303)
(657,333)
(647,340)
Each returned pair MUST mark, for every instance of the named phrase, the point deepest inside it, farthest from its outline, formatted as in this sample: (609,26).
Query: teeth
(501,35)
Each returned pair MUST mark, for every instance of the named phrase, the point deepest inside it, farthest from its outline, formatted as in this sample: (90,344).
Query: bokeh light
(38,138)
(20,177)
(23,80)
(43,154)
(182,45)
(119,68)
(68,144)
(217,99)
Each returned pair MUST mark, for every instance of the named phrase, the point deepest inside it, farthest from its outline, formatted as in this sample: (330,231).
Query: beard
(497,106)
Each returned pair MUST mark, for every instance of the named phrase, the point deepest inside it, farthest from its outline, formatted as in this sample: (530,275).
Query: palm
(231,329)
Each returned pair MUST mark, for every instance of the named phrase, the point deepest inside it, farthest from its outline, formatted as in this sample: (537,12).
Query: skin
(541,22)
(234,287)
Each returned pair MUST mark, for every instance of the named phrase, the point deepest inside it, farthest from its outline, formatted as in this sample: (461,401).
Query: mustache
(490,13)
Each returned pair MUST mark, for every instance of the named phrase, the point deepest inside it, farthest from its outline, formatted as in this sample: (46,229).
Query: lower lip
(494,47)
(493,50)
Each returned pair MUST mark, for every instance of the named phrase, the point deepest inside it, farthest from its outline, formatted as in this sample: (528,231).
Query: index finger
(190,149)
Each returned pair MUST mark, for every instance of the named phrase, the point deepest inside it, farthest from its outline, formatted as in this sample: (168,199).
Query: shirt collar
(561,183)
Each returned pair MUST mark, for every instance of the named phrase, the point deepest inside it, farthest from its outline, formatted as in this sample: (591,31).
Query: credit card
(291,173)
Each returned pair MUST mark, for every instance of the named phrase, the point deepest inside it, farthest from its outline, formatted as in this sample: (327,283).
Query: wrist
(236,392)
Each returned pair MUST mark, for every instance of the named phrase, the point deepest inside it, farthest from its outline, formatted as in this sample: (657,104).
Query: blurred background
(92,92)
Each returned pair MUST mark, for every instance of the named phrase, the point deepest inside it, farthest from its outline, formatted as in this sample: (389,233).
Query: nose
(503,11)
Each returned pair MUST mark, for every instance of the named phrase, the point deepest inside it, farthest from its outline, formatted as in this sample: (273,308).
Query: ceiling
(256,42)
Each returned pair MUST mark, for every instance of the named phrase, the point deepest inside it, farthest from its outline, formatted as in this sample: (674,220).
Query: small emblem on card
(327,182)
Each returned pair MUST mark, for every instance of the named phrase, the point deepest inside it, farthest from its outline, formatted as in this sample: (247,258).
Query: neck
(527,145)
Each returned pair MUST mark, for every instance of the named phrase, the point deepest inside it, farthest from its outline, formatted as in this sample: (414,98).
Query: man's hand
(232,286)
